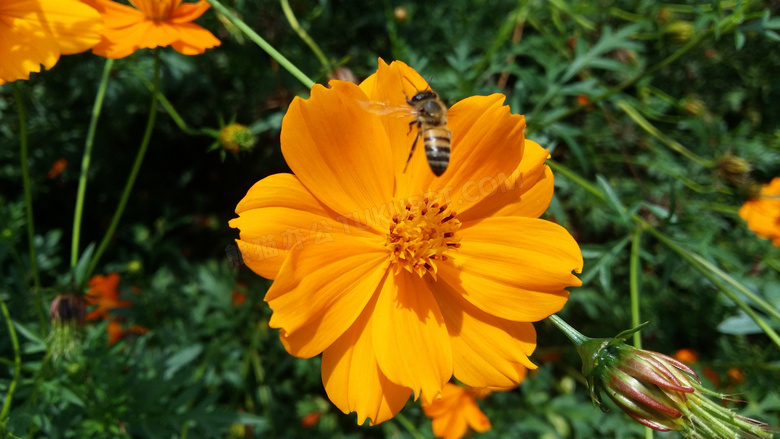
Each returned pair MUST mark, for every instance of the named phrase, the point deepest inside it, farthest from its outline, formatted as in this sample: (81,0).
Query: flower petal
(337,149)
(187,12)
(487,146)
(352,377)
(514,268)
(410,339)
(277,214)
(194,40)
(487,351)
(322,289)
(527,192)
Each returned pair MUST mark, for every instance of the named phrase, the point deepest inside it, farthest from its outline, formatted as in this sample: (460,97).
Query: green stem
(257,39)
(572,334)
(707,270)
(17,362)
(175,114)
(636,245)
(305,36)
(28,204)
(139,158)
(85,161)
(409,426)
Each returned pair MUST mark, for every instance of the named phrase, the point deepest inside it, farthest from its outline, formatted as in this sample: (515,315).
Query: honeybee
(430,118)
(431,122)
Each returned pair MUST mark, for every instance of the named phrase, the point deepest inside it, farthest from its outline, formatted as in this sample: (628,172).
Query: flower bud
(236,137)
(656,390)
(67,313)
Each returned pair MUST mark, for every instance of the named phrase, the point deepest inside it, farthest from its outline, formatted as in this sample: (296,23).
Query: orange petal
(410,339)
(388,89)
(187,12)
(352,378)
(487,146)
(278,214)
(116,15)
(514,268)
(487,351)
(194,40)
(75,26)
(527,192)
(337,149)
(26,45)
(321,290)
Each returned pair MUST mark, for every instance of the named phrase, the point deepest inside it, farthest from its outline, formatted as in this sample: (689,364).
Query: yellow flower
(763,212)
(402,279)
(150,24)
(456,411)
(35,32)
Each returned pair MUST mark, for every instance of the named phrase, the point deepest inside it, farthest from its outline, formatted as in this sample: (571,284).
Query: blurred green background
(667,147)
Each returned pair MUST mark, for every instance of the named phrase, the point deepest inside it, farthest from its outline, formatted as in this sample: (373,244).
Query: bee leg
(414,145)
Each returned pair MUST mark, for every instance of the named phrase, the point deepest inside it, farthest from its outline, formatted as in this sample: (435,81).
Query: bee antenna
(410,82)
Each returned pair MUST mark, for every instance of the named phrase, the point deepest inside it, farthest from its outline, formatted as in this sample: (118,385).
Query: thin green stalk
(634,269)
(409,426)
(708,270)
(28,204)
(17,362)
(257,39)
(139,158)
(572,334)
(305,36)
(85,161)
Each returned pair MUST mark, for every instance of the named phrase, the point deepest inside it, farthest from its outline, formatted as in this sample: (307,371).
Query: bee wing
(381,108)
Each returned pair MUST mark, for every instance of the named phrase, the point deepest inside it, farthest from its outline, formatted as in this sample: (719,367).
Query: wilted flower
(150,24)
(456,410)
(35,32)
(656,390)
(398,277)
(67,314)
(762,212)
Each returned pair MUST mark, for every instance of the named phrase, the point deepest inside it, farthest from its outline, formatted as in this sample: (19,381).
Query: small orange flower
(400,278)
(763,212)
(456,411)
(311,419)
(686,356)
(735,375)
(150,24)
(105,295)
(57,168)
(35,32)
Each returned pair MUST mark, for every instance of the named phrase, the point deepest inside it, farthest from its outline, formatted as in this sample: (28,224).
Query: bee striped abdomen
(437,148)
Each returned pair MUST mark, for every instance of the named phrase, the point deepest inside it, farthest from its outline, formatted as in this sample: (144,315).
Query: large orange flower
(401,279)
(152,23)
(35,32)
(763,212)
(456,411)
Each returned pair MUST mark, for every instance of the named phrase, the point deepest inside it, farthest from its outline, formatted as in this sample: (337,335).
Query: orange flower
(35,32)
(401,278)
(116,331)
(686,356)
(105,295)
(763,212)
(57,168)
(456,411)
(152,23)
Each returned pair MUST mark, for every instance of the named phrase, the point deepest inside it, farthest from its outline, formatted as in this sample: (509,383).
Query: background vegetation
(650,110)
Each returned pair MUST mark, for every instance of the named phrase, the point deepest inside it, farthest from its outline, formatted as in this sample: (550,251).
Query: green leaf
(613,200)
(181,359)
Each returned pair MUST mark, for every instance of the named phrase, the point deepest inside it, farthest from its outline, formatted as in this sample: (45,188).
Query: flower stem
(305,36)
(575,336)
(28,204)
(257,39)
(85,161)
(409,426)
(636,245)
(139,158)
(17,362)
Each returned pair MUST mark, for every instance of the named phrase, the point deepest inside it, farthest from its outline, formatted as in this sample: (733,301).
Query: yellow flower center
(420,235)
(157,10)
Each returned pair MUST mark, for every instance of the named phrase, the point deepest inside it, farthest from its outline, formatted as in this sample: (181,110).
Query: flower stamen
(420,234)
